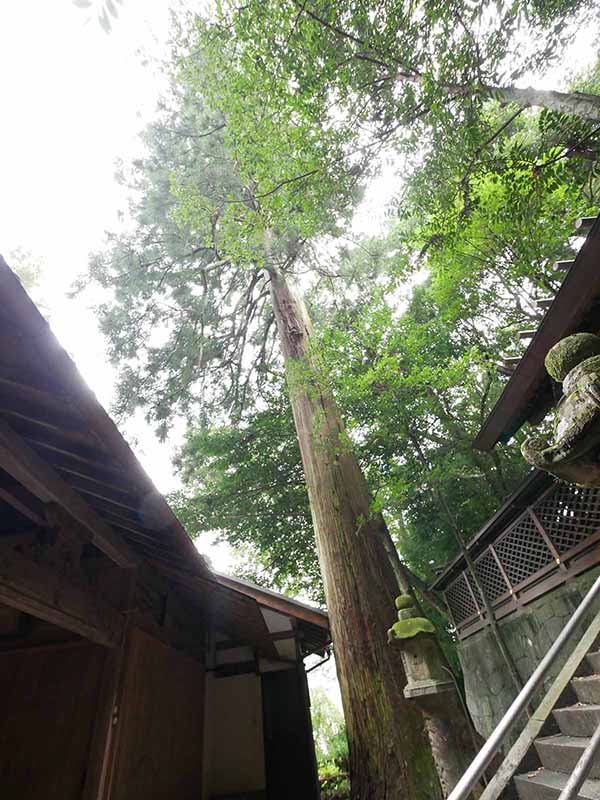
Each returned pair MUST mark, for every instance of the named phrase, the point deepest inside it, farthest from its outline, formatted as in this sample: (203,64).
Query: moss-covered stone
(584,374)
(404,601)
(569,352)
(407,628)
(573,454)
(408,613)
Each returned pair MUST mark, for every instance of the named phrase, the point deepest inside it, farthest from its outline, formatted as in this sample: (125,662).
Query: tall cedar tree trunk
(390,754)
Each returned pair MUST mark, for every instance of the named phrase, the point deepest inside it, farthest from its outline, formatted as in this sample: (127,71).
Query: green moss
(407,628)
(404,601)
(569,352)
(408,613)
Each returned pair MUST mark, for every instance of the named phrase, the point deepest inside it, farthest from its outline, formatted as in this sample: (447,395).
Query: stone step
(577,720)
(593,661)
(587,689)
(560,753)
(545,784)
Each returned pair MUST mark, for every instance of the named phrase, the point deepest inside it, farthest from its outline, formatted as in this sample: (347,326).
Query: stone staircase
(560,752)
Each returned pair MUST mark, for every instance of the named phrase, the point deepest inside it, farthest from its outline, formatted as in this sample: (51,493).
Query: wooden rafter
(42,592)
(24,502)
(51,408)
(38,477)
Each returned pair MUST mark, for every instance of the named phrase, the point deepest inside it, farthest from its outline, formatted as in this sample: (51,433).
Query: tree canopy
(268,164)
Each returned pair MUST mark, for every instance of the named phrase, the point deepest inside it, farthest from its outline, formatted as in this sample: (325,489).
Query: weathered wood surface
(160,724)
(24,464)
(49,700)
(43,592)
(30,354)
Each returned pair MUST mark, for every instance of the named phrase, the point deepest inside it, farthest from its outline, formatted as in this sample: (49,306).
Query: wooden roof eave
(26,318)
(276,601)
(528,393)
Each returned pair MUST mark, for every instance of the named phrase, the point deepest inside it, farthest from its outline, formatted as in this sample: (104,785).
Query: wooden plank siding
(49,699)
(160,724)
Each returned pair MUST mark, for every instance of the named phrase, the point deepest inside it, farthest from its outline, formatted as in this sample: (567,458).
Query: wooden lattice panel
(490,576)
(569,515)
(522,550)
(460,600)
(559,523)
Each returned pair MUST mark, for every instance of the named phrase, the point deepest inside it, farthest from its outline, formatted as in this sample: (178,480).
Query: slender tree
(200,299)
(232,194)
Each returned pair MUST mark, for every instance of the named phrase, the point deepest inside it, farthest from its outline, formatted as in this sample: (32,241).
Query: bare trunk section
(580,104)
(390,755)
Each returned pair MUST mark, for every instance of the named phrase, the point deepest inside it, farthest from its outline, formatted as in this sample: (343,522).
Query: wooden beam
(562,265)
(89,486)
(503,370)
(277,602)
(26,466)
(73,443)
(54,444)
(120,520)
(27,393)
(544,303)
(274,637)
(49,368)
(42,592)
(25,503)
(82,467)
(584,224)
(60,417)
(526,334)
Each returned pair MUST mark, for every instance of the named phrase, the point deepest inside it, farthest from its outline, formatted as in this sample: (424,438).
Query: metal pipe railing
(482,760)
(582,768)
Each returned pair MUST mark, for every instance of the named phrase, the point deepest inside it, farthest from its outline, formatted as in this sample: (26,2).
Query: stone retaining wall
(529,633)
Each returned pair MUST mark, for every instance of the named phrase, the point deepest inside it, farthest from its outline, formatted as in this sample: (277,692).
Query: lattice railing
(551,541)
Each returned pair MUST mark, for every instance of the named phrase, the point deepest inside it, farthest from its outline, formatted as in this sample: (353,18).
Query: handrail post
(582,768)
(482,760)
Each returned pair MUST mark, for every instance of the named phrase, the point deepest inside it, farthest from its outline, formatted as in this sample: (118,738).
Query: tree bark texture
(579,104)
(451,742)
(390,755)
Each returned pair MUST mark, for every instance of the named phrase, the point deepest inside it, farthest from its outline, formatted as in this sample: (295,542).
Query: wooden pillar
(103,745)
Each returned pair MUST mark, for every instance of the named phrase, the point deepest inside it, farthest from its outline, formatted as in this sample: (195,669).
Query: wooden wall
(235,760)
(289,745)
(159,743)
(48,704)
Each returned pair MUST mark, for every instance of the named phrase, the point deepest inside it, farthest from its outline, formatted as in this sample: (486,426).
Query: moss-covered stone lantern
(431,686)
(420,652)
(574,451)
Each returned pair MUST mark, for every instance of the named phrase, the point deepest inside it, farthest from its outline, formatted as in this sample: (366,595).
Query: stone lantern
(431,685)
(573,453)
(425,670)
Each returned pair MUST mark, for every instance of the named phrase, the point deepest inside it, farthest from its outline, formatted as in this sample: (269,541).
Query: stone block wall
(529,633)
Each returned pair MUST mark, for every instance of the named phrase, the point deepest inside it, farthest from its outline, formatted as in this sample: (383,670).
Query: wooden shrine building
(128,669)
(538,555)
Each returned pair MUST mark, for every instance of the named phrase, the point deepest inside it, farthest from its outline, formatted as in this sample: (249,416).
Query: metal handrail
(582,768)
(472,776)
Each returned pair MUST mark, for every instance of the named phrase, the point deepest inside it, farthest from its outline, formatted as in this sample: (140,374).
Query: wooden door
(289,747)
(48,700)
(160,720)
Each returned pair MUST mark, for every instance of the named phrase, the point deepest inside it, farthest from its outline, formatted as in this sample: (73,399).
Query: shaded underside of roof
(312,623)
(58,445)
(55,417)
(530,392)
